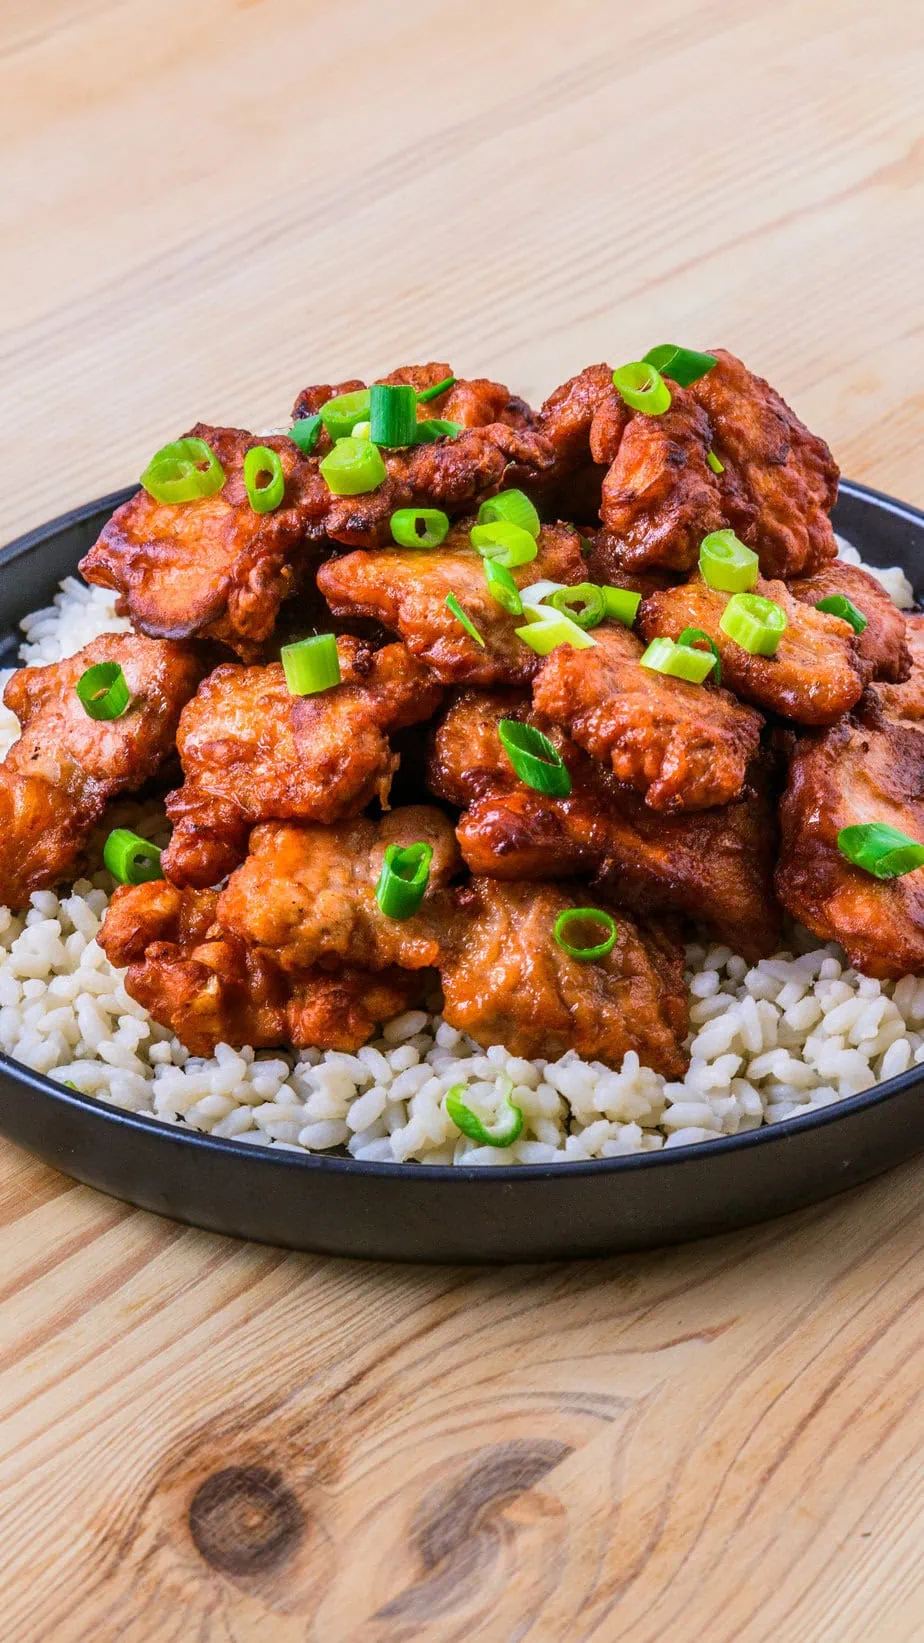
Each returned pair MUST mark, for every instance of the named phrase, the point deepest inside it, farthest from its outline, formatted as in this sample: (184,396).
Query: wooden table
(205,206)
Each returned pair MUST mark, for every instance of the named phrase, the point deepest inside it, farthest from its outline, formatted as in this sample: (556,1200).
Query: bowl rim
(724,1146)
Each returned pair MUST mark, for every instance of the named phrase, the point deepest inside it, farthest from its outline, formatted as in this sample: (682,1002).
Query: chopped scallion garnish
(550,628)
(103,691)
(452,604)
(588,952)
(426,394)
(264,479)
(353,467)
(535,760)
(436,428)
(392,414)
(419,527)
(502,1134)
(584,604)
(880,849)
(403,880)
(726,564)
(643,388)
(755,623)
(311,665)
(682,365)
(502,587)
(341,413)
(837,604)
(511,507)
(714,463)
(677,661)
(306,433)
(185,471)
(510,544)
(131,859)
(620,605)
(695,637)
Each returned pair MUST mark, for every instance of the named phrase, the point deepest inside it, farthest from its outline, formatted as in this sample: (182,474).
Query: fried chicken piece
(507,981)
(471,402)
(58,777)
(815,675)
(406,589)
(713,866)
(209,987)
(213,568)
(308,892)
(865,769)
(685,746)
(882,647)
(904,703)
(660,497)
(780,480)
(251,752)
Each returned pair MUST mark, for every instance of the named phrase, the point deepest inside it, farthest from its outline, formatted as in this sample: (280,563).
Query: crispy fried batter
(406,589)
(57,779)
(905,702)
(814,676)
(472,402)
(213,568)
(308,892)
(866,769)
(713,866)
(659,496)
(780,480)
(507,981)
(252,752)
(209,987)
(685,746)
(882,647)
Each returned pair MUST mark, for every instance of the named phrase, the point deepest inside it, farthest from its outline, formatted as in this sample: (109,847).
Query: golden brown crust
(59,776)
(882,647)
(861,770)
(406,590)
(815,675)
(684,746)
(252,752)
(905,702)
(659,496)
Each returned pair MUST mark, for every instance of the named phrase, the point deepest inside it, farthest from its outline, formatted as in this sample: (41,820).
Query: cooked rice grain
(782,1038)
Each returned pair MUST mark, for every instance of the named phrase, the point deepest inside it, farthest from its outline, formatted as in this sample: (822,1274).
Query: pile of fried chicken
(689,804)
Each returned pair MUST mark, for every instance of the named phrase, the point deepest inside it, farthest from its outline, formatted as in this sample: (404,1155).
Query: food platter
(439,1213)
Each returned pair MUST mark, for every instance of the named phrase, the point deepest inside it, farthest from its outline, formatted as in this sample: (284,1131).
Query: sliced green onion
(506,542)
(341,414)
(501,1134)
(587,548)
(586,915)
(393,413)
(261,463)
(502,587)
(361,430)
(403,880)
(538,591)
(426,394)
(694,637)
(535,760)
(643,388)
(452,604)
(130,859)
(550,628)
(727,564)
(311,665)
(755,623)
(584,604)
(880,849)
(103,691)
(185,471)
(620,605)
(353,467)
(682,365)
(714,463)
(306,433)
(511,508)
(837,604)
(677,661)
(436,428)
(419,527)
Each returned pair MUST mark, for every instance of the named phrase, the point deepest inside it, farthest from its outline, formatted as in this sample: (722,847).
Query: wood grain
(204,207)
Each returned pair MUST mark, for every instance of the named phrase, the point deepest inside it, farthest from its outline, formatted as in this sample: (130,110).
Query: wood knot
(245,1520)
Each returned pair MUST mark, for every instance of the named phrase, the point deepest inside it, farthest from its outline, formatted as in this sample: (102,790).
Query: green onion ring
(130,859)
(311,665)
(498,1135)
(406,526)
(260,461)
(584,604)
(726,564)
(754,623)
(620,605)
(511,508)
(837,604)
(695,637)
(595,915)
(185,471)
(103,691)
(341,413)
(643,388)
(683,365)
(537,763)
(353,468)
(403,880)
(677,661)
(880,849)
(392,414)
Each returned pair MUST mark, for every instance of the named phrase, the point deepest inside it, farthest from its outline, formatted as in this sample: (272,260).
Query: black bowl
(413,1212)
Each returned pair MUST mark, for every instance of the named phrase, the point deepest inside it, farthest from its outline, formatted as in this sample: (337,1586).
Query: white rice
(781,1038)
